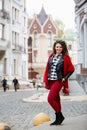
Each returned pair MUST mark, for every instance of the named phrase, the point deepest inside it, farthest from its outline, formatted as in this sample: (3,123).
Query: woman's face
(58,48)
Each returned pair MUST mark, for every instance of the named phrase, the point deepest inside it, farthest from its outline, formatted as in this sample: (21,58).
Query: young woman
(58,69)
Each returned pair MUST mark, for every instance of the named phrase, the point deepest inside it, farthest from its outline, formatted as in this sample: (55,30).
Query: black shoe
(53,123)
(60,118)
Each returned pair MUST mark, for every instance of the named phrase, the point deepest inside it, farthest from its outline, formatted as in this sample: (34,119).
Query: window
(24,21)
(23,69)
(35,39)
(70,47)
(49,26)
(35,56)
(49,39)
(25,45)
(1,31)
(14,67)
(15,38)
(5,66)
(1,4)
(15,14)
(35,26)
(24,6)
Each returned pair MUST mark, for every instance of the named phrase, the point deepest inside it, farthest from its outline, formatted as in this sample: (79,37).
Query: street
(19,114)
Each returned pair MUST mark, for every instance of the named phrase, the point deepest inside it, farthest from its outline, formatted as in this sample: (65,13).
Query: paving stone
(19,115)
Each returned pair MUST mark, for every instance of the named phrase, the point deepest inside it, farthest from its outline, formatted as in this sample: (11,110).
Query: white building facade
(13,39)
(81,23)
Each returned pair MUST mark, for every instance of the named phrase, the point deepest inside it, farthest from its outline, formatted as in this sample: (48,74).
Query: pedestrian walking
(58,69)
(15,82)
(4,84)
(34,82)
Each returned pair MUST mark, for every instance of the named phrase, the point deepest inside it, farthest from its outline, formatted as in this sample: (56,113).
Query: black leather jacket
(59,69)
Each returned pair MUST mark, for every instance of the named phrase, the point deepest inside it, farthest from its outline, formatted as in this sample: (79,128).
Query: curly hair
(64,46)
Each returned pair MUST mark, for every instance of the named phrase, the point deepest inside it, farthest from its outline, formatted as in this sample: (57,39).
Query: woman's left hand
(63,79)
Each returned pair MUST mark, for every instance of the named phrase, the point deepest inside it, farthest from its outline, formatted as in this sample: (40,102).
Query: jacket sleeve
(68,70)
(68,66)
(45,76)
(68,75)
(45,79)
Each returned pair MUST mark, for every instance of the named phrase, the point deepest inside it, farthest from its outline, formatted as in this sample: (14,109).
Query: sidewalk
(21,113)
(42,97)
(74,123)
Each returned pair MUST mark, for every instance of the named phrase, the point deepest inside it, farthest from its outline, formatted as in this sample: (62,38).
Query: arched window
(35,39)
(35,56)
(49,39)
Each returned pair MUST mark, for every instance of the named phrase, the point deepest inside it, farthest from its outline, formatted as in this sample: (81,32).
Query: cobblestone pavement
(19,115)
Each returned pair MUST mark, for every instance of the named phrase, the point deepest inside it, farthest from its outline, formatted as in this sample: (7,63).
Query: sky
(58,9)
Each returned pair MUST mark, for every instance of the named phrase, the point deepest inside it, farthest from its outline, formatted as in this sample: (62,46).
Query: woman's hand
(63,79)
(47,86)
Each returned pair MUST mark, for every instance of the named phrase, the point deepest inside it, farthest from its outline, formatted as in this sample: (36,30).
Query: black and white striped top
(53,73)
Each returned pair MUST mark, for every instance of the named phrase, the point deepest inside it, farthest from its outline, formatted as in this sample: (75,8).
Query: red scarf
(68,67)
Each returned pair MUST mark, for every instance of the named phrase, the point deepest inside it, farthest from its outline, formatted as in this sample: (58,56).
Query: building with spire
(42,31)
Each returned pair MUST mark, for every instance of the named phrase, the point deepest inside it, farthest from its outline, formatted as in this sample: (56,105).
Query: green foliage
(29,21)
(60,28)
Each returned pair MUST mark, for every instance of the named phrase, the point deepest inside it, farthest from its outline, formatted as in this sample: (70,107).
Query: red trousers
(53,96)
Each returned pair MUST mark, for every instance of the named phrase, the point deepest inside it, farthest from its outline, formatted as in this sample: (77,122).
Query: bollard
(40,118)
(4,126)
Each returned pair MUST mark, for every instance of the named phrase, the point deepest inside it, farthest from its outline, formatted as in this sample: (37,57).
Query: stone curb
(42,97)
(72,123)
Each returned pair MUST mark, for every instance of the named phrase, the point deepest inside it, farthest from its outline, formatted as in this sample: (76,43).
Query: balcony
(18,2)
(17,49)
(4,14)
(80,2)
(15,22)
(16,25)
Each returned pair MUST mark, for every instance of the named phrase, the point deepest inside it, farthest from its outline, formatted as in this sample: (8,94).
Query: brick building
(42,31)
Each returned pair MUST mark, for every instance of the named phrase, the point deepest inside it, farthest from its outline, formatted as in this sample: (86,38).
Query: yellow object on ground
(40,118)
(4,126)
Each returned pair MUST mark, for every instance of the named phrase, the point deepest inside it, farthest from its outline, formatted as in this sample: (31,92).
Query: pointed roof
(42,16)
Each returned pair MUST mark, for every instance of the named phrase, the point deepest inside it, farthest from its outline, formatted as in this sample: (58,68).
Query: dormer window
(49,26)
(35,26)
